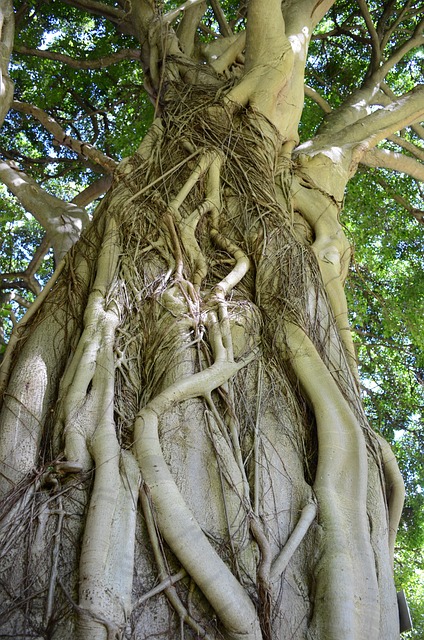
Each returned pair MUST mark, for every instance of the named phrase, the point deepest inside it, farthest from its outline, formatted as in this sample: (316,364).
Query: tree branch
(265,33)
(174,13)
(419,130)
(304,13)
(374,127)
(63,221)
(27,277)
(395,161)
(406,110)
(224,27)
(416,41)
(99,63)
(99,9)
(375,42)
(392,28)
(417,213)
(81,148)
(94,191)
(413,149)
(187,28)
(316,97)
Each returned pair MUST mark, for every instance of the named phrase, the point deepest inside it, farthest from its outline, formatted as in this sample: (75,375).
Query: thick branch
(304,15)
(265,39)
(63,221)
(81,148)
(99,9)
(377,126)
(395,491)
(417,128)
(99,63)
(391,160)
(187,28)
(94,191)
(269,83)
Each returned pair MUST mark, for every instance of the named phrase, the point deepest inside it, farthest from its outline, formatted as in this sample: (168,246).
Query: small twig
(256,443)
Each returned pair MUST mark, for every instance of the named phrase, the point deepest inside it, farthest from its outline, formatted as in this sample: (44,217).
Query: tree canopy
(75,103)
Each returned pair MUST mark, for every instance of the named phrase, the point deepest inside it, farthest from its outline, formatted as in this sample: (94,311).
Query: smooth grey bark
(197,460)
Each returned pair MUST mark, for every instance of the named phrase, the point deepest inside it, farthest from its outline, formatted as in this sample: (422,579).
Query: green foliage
(386,297)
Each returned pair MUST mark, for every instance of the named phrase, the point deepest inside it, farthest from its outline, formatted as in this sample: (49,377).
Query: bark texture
(184,451)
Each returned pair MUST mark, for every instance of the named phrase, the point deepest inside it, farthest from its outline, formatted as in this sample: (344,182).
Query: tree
(183,441)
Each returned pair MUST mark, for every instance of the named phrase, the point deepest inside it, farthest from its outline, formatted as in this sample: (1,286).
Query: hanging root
(346,570)
(307,516)
(167,582)
(332,251)
(176,523)
(395,489)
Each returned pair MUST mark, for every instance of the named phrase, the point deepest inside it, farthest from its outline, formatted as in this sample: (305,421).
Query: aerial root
(92,354)
(307,516)
(395,489)
(60,512)
(167,582)
(346,570)
(175,520)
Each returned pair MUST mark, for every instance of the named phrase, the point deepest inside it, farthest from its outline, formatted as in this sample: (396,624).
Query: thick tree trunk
(184,452)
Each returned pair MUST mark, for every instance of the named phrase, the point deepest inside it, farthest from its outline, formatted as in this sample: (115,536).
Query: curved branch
(187,28)
(81,148)
(99,9)
(341,489)
(395,489)
(391,160)
(63,221)
(385,16)
(175,520)
(307,516)
(316,97)
(28,281)
(99,63)
(416,41)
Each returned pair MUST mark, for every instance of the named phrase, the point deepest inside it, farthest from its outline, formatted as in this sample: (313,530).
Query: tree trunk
(206,424)
(184,451)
